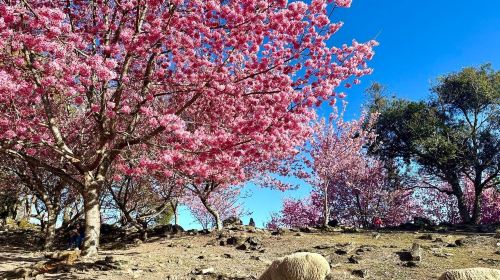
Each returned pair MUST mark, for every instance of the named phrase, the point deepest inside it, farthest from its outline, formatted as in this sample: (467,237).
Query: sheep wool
(477,273)
(298,266)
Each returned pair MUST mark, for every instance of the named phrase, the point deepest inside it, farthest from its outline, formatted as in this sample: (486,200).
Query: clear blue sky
(419,41)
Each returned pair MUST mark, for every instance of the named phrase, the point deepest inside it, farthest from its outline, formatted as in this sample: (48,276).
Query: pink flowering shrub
(443,207)
(296,213)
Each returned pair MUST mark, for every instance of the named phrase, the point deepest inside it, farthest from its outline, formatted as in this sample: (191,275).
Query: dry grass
(176,258)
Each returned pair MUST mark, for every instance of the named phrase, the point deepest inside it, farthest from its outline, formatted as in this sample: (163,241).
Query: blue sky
(419,41)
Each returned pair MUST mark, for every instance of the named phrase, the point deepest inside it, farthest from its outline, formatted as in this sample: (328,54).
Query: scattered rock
(362,273)
(236,240)
(427,236)
(460,242)
(343,248)
(251,243)
(439,240)
(442,255)
(350,230)
(278,231)
(308,230)
(364,249)
(416,252)
(356,259)
(324,247)
(410,264)
(204,271)
(166,230)
(232,221)
(137,241)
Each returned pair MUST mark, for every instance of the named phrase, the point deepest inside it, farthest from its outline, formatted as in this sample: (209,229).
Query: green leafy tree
(452,136)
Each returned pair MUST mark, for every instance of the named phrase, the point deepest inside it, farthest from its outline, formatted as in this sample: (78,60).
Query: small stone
(257,258)
(254,241)
(308,230)
(235,240)
(323,246)
(355,259)
(350,230)
(362,273)
(427,236)
(341,252)
(416,252)
(242,247)
(204,271)
(137,241)
(460,242)
(279,231)
(410,264)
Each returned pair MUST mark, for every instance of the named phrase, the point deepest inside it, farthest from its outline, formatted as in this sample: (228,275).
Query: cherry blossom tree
(348,184)
(336,151)
(217,206)
(187,85)
(140,200)
(49,192)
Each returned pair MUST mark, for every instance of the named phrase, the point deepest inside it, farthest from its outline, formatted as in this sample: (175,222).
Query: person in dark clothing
(76,236)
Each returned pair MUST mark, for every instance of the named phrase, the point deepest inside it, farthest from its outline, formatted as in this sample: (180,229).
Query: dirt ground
(368,255)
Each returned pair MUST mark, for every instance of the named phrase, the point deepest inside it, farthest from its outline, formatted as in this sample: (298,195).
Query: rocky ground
(244,253)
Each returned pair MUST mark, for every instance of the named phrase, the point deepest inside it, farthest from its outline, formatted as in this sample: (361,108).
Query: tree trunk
(214,213)
(326,209)
(462,206)
(92,216)
(176,213)
(66,217)
(478,192)
(50,228)
(476,212)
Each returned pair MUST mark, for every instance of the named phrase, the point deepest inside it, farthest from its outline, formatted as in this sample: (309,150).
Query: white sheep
(477,273)
(298,266)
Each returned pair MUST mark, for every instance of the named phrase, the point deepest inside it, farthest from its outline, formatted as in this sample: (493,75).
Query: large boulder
(232,221)
(168,229)
(477,273)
